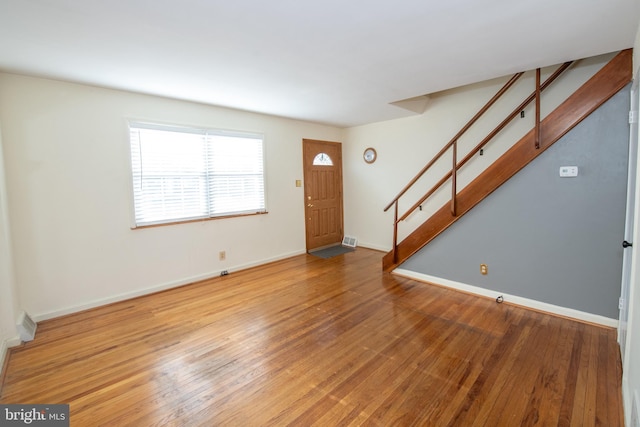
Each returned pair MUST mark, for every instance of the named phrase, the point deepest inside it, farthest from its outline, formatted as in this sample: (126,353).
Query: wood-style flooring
(327,342)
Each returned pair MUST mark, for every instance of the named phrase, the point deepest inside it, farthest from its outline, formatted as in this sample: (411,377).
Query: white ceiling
(340,62)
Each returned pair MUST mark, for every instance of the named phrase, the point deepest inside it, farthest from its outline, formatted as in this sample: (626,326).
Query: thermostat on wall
(568,171)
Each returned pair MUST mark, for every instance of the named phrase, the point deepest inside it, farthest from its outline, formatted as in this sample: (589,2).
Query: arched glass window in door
(322,159)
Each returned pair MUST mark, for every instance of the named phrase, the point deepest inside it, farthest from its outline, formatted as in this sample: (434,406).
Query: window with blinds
(183,174)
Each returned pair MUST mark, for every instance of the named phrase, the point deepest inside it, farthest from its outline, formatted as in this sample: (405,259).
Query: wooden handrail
(453,144)
(488,138)
(593,93)
(466,127)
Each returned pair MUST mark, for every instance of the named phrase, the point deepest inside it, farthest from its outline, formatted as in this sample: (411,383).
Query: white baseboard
(630,399)
(157,288)
(3,354)
(627,399)
(5,345)
(525,302)
(372,246)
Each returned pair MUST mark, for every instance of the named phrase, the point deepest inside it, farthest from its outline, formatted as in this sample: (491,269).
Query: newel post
(395,233)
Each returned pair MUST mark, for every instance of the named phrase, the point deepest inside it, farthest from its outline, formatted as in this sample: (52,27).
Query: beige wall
(69,197)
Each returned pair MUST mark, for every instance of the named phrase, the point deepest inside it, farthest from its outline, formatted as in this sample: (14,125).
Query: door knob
(309,205)
(626,244)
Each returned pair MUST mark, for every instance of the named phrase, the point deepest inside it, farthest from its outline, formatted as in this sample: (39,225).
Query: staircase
(597,90)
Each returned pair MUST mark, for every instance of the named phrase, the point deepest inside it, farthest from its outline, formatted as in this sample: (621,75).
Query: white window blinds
(185,174)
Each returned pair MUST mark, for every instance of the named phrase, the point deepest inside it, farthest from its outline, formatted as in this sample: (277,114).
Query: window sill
(139,227)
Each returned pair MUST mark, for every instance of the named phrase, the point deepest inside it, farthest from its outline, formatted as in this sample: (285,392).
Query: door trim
(628,254)
(306,146)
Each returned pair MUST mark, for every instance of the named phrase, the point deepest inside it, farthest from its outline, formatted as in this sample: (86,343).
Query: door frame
(307,182)
(628,253)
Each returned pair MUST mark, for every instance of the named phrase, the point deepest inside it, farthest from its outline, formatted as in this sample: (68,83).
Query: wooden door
(322,192)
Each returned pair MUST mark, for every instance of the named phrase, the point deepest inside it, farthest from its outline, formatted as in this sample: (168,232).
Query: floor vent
(26,327)
(635,410)
(349,241)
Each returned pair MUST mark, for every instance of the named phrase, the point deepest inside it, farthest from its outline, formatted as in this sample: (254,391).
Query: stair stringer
(596,91)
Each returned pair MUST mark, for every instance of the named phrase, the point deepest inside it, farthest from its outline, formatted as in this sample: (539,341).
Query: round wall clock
(370,155)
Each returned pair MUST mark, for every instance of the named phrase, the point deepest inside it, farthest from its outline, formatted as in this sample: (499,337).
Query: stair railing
(453,144)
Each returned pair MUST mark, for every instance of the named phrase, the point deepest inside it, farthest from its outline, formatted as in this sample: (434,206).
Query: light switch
(568,171)
(298,183)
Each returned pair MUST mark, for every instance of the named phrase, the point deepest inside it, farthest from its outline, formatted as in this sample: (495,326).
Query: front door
(322,192)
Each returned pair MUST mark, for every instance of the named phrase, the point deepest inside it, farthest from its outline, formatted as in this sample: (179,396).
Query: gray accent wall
(546,238)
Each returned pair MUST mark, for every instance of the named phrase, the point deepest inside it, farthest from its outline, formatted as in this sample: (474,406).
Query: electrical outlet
(484,269)
(222,255)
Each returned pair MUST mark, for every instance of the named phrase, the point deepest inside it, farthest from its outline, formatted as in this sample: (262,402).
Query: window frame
(154,125)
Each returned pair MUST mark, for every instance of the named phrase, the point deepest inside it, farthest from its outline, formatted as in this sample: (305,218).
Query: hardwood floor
(308,341)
